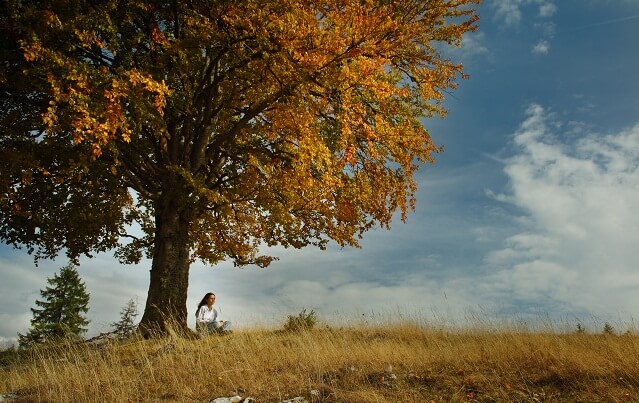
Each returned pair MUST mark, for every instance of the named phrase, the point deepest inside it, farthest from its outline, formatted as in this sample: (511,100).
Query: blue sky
(529,213)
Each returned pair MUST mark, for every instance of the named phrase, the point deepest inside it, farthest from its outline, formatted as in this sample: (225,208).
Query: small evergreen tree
(126,326)
(61,313)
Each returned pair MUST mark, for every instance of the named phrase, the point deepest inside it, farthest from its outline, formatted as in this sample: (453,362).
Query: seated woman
(206,317)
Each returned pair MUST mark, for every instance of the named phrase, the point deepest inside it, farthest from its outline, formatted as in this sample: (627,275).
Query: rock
(8,397)
(233,399)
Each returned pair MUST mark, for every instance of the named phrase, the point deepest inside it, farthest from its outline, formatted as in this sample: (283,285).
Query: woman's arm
(200,315)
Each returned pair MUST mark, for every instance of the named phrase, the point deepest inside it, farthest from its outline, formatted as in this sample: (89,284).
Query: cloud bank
(577,249)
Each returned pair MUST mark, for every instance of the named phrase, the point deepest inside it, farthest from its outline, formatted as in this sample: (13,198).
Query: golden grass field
(402,362)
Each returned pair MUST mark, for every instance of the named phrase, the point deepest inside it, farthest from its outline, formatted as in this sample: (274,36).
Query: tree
(126,325)
(61,313)
(215,127)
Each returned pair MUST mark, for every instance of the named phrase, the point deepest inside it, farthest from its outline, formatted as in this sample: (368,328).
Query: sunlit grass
(397,361)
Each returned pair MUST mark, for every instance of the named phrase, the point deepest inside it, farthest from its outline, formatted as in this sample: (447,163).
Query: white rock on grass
(239,399)
(8,397)
(232,399)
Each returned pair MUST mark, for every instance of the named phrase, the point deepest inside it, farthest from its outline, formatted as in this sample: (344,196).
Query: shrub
(608,329)
(303,321)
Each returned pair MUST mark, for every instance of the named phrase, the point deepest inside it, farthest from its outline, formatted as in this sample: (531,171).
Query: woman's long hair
(203,302)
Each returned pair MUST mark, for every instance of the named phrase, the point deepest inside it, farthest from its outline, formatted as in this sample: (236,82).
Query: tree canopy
(215,127)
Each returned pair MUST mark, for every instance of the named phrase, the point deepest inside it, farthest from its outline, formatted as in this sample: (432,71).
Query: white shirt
(206,315)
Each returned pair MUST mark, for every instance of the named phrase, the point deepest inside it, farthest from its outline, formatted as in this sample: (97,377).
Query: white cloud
(541,48)
(578,247)
(509,12)
(472,45)
(8,325)
(547,9)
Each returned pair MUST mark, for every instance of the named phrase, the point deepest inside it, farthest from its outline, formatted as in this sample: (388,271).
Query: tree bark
(169,279)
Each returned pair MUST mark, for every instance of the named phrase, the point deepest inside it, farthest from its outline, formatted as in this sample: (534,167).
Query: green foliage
(61,313)
(125,327)
(303,321)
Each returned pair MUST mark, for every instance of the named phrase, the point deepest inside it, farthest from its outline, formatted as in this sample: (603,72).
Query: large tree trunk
(168,287)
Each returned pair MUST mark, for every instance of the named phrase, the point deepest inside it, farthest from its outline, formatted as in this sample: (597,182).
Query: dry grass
(398,363)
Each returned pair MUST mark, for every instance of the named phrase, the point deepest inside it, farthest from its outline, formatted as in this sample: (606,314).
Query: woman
(206,317)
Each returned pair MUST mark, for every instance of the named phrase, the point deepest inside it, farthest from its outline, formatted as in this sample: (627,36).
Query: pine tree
(61,313)
(126,325)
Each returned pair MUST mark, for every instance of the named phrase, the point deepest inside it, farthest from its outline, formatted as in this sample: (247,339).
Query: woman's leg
(212,327)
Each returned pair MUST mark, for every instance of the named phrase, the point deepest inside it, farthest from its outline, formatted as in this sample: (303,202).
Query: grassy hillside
(398,363)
